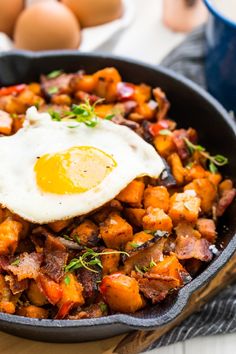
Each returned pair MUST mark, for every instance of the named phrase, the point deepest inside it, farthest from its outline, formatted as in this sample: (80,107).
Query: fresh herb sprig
(82,113)
(55,73)
(88,259)
(214,161)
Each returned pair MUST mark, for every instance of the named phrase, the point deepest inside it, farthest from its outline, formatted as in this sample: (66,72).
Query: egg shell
(19,191)
(47,26)
(95,12)
(9,11)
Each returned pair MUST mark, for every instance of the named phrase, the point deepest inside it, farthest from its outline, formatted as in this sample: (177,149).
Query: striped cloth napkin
(219,315)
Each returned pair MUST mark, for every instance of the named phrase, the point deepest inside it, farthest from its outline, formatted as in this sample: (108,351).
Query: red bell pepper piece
(156,127)
(125,91)
(5,91)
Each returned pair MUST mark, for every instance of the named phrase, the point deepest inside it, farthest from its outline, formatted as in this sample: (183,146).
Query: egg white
(40,135)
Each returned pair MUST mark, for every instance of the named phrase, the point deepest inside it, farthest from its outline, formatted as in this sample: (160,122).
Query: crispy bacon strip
(28,266)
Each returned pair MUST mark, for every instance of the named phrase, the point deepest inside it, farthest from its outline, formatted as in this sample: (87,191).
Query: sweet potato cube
(32,312)
(196,171)
(134,216)
(71,290)
(132,194)
(86,233)
(156,197)
(121,293)
(164,145)
(110,262)
(35,295)
(115,231)
(184,207)
(206,191)
(6,305)
(207,229)
(179,172)
(157,219)
(50,289)
(58,226)
(170,267)
(6,123)
(138,239)
(9,236)
(105,83)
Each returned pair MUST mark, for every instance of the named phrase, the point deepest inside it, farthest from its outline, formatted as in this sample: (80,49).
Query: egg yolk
(75,170)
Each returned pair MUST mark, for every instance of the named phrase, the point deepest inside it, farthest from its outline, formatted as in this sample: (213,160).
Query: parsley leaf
(55,73)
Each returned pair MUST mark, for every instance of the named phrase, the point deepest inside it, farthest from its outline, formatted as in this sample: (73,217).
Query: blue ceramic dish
(221,57)
(190,106)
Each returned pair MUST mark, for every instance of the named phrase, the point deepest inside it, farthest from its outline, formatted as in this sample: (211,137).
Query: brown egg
(9,11)
(45,26)
(95,12)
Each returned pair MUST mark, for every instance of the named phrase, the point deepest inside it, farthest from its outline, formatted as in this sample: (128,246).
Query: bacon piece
(15,285)
(61,83)
(178,138)
(207,229)
(226,199)
(28,267)
(156,289)
(190,245)
(163,103)
(120,120)
(89,281)
(93,311)
(50,289)
(55,258)
(6,123)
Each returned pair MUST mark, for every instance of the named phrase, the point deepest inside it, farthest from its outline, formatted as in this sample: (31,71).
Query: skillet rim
(184,293)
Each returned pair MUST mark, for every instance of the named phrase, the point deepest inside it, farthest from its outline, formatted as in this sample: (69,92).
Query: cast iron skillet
(190,106)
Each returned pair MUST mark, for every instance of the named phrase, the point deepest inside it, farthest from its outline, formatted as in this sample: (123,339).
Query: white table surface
(146,39)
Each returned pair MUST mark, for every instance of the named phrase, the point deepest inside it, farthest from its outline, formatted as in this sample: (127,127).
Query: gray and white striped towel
(219,315)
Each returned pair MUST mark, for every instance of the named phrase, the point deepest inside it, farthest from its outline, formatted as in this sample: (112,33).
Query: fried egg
(58,170)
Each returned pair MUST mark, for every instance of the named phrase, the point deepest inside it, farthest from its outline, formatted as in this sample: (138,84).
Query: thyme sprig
(214,161)
(88,259)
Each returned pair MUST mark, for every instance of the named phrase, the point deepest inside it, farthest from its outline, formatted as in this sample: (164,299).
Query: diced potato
(110,262)
(142,93)
(32,312)
(121,293)
(6,123)
(170,267)
(50,289)
(134,216)
(35,296)
(184,207)
(164,145)
(207,229)
(196,171)
(132,194)
(138,239)
(206,191)
(215,178)
(9,236)
(58,226)
(72,290)
(145,110)
(35,88)
(178,171)
(104,110)
(157,219)
(61,100)
(102,213)
(115,231)
(84,83)
(156,197)
(86,233)
(105,83)
(6,305)
(226,185)
(18,122)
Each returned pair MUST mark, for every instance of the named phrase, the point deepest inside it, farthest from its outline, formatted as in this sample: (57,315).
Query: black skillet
(190,106)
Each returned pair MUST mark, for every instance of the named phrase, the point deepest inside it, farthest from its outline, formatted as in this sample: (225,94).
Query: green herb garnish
(217,160)
(16,262)
(89,258)
(152,264)
(66,237)
(134,244)
(52,90)
(103,307)
(54,115)
(165,132)
(67,279)
(55,73)
(109,116)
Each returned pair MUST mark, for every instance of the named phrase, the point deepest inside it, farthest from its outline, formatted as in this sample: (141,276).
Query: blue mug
(221,57)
